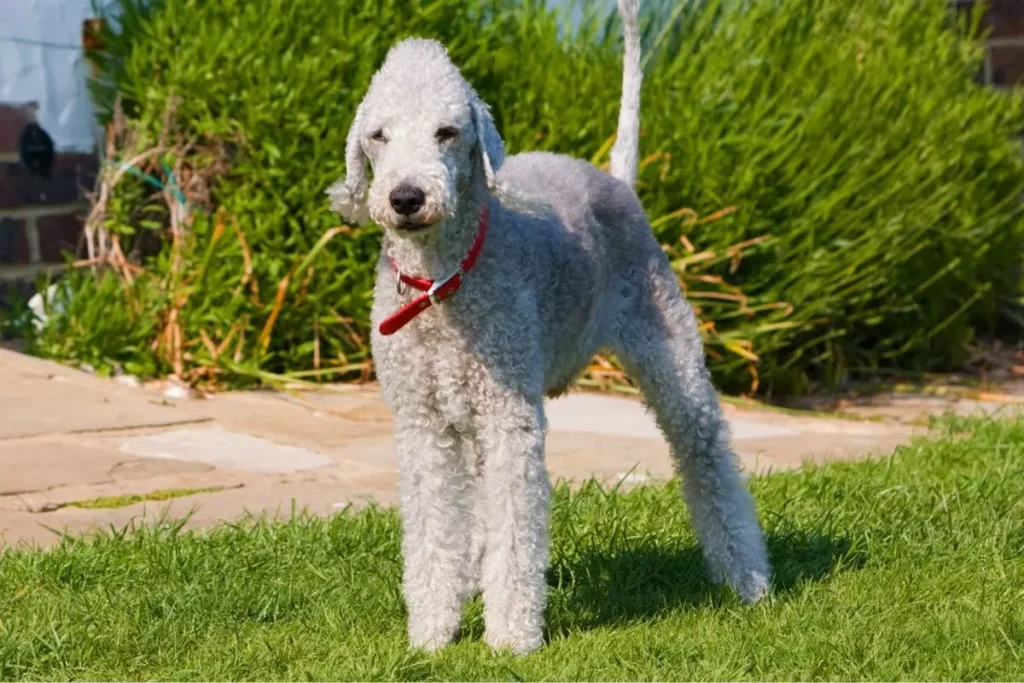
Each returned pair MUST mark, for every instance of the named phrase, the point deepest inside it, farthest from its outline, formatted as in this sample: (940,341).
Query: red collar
(435,291)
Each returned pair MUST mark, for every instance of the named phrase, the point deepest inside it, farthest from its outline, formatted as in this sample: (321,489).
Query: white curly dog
(498,280)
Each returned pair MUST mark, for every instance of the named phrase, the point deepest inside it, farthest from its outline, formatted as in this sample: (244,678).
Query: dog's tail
(625,151)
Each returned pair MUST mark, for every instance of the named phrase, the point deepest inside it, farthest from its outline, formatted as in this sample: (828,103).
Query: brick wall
(1004,60)
(40,218)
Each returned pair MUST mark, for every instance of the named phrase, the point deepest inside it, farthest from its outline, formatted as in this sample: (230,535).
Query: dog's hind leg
(660,346)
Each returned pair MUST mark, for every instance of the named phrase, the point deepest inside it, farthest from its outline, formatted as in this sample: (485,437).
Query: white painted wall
(41,61)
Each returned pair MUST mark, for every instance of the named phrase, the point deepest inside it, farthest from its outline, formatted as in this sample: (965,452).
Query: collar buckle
(445,287)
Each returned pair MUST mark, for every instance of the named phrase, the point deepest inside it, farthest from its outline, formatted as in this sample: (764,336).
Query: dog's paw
(431,637)
(429,643)
(518,644)
(752,587)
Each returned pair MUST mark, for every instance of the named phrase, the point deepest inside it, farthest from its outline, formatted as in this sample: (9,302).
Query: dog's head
(427,138)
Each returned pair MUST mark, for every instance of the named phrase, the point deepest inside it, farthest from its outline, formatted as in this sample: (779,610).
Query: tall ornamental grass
(836,191)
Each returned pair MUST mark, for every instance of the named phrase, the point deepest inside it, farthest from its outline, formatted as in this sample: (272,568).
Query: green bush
(866,189)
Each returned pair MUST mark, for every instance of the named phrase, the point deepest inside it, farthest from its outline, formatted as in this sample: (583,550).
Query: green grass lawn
(904,567)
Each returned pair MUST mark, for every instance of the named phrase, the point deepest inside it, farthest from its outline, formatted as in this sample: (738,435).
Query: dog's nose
(407,199)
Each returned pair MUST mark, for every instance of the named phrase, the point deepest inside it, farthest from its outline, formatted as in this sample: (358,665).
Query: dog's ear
(489,144)
(491,149)
(348,196)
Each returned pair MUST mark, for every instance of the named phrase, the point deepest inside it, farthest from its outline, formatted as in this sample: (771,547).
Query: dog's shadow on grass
(649,581)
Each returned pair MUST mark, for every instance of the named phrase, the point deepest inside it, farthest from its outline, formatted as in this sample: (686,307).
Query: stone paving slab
(618,416)
(52,464)
(69,437)
(26,528)
(218,447)
(275,500)
(31,466)
(32,389)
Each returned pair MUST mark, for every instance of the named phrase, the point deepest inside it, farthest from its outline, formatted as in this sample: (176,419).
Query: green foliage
(853,136)
(900,568)
(874,185)
(123,501)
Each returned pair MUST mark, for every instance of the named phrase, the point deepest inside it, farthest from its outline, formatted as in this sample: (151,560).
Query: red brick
(58,233)
(72,175)
(13,242)
(1006,18)
(1007,65)
(12,120)
(79,164)
(10,185)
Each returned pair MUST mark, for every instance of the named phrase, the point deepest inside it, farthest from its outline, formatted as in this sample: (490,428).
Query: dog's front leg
(517,498)
(435,506)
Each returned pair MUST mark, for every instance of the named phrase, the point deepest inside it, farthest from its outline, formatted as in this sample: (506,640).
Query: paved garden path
(68,437)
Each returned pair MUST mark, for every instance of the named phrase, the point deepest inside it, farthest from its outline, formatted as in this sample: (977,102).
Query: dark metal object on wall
(35,149)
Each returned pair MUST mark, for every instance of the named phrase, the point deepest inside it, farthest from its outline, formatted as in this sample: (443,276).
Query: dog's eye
(378,135)
(446,133)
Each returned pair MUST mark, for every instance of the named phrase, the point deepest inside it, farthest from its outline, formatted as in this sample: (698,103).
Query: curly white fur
(627,138)
(466,379)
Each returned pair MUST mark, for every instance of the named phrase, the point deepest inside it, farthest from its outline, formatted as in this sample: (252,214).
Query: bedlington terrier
(498,280)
